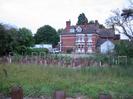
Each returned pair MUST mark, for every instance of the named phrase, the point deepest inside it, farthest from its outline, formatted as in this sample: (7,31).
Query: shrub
(37,50)
(124,48)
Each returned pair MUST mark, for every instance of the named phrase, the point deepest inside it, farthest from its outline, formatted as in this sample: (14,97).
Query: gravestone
(16,93)
(104,96)
(59,95)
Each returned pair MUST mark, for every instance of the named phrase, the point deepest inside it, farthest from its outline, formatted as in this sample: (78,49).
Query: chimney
(68,24)
(96,23)
(113,27)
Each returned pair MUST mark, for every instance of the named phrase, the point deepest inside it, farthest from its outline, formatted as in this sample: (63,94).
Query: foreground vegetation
(39,80)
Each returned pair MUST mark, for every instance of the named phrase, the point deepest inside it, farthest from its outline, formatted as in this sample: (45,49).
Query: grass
(39,80)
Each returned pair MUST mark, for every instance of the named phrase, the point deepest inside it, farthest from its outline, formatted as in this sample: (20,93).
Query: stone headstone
(59,95)
(105,96)
(16,93)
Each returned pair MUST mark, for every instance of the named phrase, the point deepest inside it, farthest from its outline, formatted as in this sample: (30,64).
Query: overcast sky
(36,13)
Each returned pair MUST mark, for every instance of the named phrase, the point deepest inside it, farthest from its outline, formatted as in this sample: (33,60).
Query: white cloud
(35,13)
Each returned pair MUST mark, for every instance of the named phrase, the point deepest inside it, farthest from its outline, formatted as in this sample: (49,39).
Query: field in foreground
(37,80)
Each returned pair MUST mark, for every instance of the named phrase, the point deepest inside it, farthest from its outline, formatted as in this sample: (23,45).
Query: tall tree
(46,35)
(91,22)
(4,44)
(59,31)
(25,37)
(24,40)
(122,21)
(124,48)
(82,19)
(14,40)
(128,12)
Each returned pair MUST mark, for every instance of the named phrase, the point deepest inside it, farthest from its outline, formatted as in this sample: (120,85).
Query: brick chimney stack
(68,24)
(96,23)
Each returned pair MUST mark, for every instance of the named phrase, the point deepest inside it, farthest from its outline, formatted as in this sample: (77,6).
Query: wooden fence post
(16,93)
(59,95)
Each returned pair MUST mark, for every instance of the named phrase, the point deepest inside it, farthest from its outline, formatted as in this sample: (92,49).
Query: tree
(82,20)
(124,48)
(91,22)
(23,40)
(4,41)
(59,31)
(46,35)
(122,21)
(25,37)
(128,12)
(14,40)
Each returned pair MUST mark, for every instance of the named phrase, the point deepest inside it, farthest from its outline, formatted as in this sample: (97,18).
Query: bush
(124,48)
(37,50)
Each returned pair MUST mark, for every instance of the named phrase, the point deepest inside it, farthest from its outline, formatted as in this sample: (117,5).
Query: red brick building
(84,38)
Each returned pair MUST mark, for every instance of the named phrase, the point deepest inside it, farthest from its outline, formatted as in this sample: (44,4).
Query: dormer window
(79,29)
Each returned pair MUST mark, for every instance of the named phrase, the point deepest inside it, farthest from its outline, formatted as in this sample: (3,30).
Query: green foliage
(25,37)
(82,19)
(37,50)
(8,39)
(91,22)
(24,40)
(46,35)
(14,40)
(60,31)
(124,48)
(42,80)
(4,41)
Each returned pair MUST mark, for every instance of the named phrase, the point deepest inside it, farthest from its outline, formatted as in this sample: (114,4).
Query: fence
(67,61)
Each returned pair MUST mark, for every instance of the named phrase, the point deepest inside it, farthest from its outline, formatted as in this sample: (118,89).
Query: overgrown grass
(39,80)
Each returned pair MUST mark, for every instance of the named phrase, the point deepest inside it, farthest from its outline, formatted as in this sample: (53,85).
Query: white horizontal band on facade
(67,46)
(68,35)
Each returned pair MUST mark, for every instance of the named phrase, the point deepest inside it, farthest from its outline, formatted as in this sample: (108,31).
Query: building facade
(85,38)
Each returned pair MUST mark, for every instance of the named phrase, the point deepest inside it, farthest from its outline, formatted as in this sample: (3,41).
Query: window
(72,30)
(78,29)
(89,37)
(78,46)
(83,50)
(89,44)
(80,38)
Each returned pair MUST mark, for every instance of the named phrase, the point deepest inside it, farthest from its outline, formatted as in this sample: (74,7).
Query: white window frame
(89,36)
(90,44)
(80,38)
(72,30)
